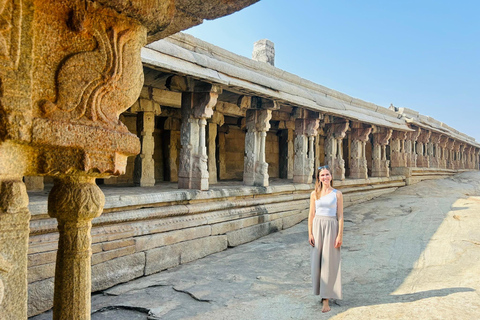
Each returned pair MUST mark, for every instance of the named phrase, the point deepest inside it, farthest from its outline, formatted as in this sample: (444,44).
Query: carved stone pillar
(450,154)
(380,164)
(336,132)
(397,149)
(305,131)
(74,202)
(456,155)
(14,231)
(255,170)
(433,150)
(411,155)
(196,108)
(443,151)
(423,160)
(358,160)
(144,172)
(216,120)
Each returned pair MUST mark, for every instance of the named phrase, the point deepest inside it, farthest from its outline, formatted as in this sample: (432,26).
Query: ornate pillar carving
(144,172)
(305,132)
(456,155)
(433,150)
(422,157)
(197,106)
(336,132)
(216,120)
(255,170)
(14,226)
(450,154)
(443,151)
(290,125)
(358,160)
(397,149)
(411,156)
(380,164)
(74,201)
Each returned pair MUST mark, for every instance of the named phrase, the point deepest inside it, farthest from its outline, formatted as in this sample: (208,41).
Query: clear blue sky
(423,54)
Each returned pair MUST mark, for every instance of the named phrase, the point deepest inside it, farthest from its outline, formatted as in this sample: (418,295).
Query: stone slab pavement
(411,254)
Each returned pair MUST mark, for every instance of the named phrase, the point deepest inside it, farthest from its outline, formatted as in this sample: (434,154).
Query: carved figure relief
(100,84)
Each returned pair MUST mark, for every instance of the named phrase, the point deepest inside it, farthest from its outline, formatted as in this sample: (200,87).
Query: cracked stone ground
(411,254)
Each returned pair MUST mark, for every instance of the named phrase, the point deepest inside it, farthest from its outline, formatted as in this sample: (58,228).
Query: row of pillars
(197,168)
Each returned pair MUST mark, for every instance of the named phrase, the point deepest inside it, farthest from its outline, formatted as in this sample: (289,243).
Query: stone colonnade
(372,150)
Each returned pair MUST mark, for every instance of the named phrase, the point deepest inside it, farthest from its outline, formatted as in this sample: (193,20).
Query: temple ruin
(209,151)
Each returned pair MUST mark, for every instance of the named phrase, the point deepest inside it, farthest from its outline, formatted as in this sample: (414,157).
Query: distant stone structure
(264,51)
(224,148)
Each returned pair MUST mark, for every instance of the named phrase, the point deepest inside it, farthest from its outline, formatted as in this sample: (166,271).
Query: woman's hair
(318,183)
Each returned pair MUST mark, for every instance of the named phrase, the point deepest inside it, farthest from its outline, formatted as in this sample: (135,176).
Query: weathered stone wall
(232,153)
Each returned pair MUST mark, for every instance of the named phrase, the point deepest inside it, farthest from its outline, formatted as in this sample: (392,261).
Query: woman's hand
(338,242)
(311,240)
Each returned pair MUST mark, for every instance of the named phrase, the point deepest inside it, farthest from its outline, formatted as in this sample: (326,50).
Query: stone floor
(411,254)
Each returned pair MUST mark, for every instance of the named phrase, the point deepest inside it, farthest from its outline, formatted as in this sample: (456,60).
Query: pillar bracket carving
(336,132)
(380,164)
(358,160)
(303,166)
(197,106)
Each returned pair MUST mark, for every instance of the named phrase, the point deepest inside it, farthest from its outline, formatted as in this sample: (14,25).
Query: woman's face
(325,176)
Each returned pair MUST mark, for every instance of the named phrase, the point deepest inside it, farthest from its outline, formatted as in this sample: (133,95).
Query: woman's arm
(311,215)
(339,240)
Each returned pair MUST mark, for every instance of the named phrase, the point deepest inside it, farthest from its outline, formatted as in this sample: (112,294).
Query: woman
(325,234)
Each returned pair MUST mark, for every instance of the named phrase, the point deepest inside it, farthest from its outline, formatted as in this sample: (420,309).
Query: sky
(422,55)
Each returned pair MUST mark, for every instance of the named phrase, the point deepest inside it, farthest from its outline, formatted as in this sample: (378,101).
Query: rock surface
(414,253)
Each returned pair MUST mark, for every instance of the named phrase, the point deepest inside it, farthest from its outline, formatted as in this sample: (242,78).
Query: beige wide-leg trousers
(326,263)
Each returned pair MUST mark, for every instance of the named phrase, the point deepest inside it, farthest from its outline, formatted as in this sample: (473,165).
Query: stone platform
(412,253)
(146,230)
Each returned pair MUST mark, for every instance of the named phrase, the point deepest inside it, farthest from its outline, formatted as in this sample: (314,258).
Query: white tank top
(327,205)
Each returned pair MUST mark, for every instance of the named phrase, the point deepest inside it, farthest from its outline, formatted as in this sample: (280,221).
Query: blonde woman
(325,235)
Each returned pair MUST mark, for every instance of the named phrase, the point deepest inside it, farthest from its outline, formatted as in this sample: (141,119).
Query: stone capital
(382,135)
(338,130)
(361,134)
(424,136)
(146,105)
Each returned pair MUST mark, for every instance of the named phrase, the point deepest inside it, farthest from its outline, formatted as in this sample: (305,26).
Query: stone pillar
(397,149)
(336,132)
(433,150)
(380,164)
(144,172)
(14,231)
(255,170)
(74,202)
(411,155)
(358,160)
(423,160)
(443,151)
(197,106)
(34,183)
(450,154)
(305,131)
(216,120)
(456,154)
